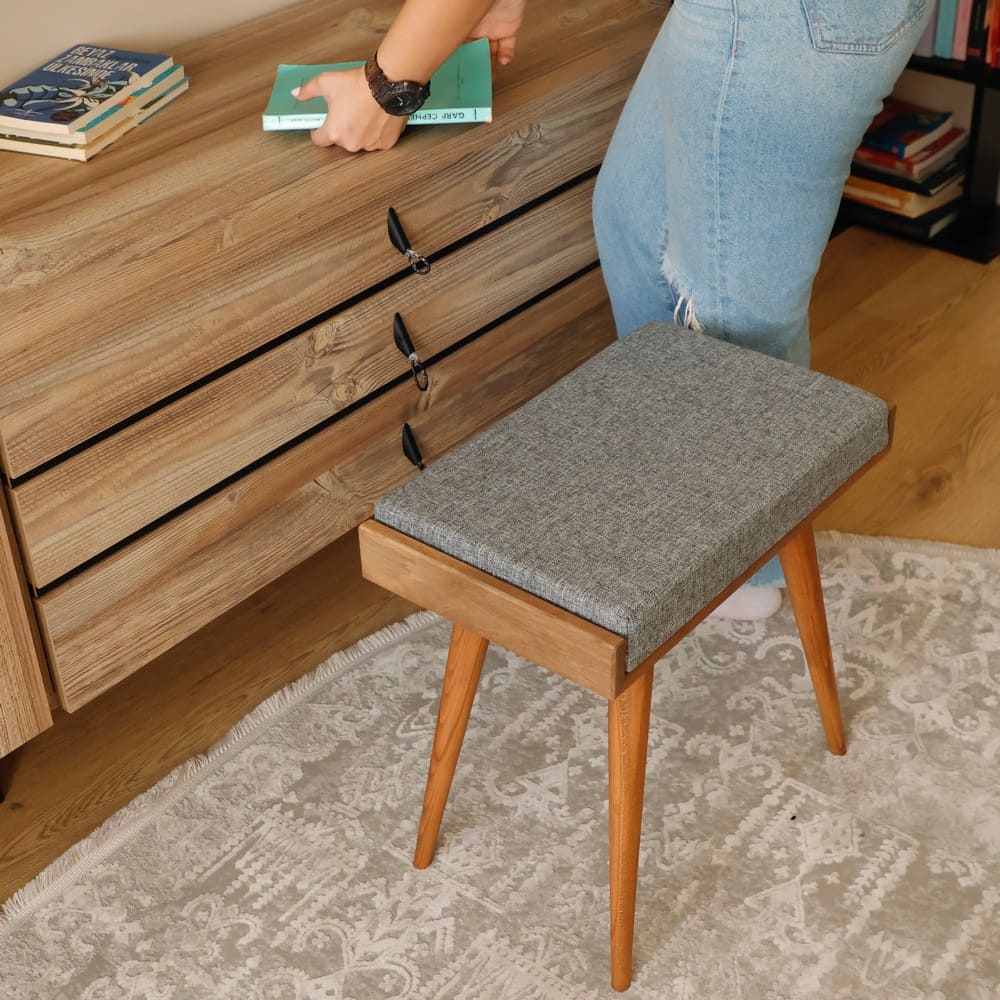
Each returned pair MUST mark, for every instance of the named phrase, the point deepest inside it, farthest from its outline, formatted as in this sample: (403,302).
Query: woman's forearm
(425,33)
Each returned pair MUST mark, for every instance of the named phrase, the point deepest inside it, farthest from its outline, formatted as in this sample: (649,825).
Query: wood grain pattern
(119,614)
(628,739)
(89,502)
(805,591)
(461,679)
(533,628)
(919,327)
(203,238)
(24,701)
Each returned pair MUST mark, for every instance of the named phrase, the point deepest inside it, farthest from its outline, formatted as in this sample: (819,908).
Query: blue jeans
(723,178)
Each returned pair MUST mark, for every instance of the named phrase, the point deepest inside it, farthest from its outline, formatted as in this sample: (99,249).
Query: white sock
(749,603)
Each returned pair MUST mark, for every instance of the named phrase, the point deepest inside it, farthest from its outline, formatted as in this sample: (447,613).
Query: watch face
(403,101)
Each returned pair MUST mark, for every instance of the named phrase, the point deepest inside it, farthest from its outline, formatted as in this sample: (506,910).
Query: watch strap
(384,90)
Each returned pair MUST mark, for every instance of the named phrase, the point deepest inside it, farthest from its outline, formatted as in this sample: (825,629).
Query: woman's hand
(500,24)
(354,120)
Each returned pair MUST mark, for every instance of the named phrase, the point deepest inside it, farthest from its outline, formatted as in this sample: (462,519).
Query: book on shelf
(929,185)
(923,227)
(944,32)
(963,20)
(963,30)
(145,109)
(461,92)
(72,90)
(975,50)
(902,129)
(925,46)
(984,33)
(897,200)
(918,165)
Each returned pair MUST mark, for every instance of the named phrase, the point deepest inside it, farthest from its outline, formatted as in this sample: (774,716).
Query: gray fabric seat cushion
(635,489)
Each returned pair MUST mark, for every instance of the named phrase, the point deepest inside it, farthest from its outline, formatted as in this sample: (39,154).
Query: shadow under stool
(592,528)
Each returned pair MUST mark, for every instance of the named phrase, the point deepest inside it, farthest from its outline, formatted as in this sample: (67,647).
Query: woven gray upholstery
(636,488)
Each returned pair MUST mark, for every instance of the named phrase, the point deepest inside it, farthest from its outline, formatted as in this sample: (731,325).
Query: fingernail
(295,91)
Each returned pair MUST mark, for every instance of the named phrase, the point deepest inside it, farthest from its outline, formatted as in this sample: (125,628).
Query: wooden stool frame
(484,609)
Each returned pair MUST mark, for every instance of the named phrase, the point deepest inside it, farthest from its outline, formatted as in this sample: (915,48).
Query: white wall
(937,92)
(35,30)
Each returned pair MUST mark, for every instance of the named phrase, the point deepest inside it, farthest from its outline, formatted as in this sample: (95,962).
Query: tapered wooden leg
(628,738)
(461,678)
(801,568)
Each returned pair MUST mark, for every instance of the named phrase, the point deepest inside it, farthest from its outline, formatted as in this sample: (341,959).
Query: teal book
(461,92)
(944,33)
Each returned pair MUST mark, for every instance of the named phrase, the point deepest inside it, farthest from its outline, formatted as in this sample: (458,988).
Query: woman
(722,180)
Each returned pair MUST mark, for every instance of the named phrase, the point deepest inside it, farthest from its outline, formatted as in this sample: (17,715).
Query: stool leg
(628,739)
(461,678)
(801,568)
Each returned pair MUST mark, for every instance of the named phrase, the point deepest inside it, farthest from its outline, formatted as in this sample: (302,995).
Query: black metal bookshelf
(956,69)
(976,233)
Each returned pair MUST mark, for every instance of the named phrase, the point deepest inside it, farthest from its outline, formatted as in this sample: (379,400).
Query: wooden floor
(914,325)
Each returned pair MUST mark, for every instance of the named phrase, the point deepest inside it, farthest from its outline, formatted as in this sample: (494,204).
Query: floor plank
(69,779)
(909,323)
(926,336)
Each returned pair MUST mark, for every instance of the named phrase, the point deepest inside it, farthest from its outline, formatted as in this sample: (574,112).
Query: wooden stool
(593,528)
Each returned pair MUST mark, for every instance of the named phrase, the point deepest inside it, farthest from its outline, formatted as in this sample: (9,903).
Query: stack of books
(84,99)
(967,30)
(907,174)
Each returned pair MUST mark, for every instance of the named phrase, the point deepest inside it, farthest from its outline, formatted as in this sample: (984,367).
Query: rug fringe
(115,831)
(127,821)
(841,539)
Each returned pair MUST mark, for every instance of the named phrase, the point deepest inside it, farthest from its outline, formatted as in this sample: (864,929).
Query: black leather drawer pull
(410,449)
(402,338)
(399,239)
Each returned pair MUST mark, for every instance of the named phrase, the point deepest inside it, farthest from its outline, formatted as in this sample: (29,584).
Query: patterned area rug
(278,865)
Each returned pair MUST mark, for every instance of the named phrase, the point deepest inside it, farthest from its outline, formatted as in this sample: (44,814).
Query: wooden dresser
(199,381)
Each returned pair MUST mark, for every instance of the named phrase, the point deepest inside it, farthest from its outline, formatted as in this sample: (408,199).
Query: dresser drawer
(95,499)
(181,252)
(120,613)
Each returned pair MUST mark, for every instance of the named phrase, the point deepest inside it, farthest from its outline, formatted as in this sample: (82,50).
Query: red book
(920,163)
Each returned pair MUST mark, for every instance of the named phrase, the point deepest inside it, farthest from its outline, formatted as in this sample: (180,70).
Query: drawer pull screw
(402,338)
(399,239)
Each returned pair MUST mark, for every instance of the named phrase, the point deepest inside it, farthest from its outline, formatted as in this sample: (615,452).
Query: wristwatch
(397,97)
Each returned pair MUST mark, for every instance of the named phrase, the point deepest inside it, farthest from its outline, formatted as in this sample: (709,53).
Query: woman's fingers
(354,121)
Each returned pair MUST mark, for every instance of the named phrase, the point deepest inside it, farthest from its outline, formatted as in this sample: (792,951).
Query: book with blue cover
(68,92)
(461,92)
(902,128)
(111,116)
(146,105)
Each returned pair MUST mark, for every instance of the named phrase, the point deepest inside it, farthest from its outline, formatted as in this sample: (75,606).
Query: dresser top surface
(212,134)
